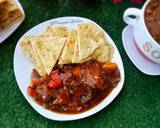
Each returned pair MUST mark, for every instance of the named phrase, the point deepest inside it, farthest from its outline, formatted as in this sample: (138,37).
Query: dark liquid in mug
(152,19)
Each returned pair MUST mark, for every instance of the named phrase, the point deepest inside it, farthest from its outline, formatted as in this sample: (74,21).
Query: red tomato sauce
(74,88)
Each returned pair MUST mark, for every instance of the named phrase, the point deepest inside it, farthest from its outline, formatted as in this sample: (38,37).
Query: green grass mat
(138,104)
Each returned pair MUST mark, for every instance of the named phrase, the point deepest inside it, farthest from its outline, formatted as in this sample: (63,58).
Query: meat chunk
(91,75)
(63,97)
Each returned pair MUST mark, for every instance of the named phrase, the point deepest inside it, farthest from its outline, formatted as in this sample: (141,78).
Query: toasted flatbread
(3,14)
(95,54)
(13,17)
(49,50)
(75,58)
(111,49)
(30,52)
(68,51)
(14,13)
(10,13)
(104,51)
(40,66)
(88,37)
(59,45)
(86,45)
(27,48)
(91,30)
(56,31)
(3,3)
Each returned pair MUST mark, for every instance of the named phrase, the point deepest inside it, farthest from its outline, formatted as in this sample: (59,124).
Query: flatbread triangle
(61,31)
(86,46)
(68,51)
(30,52)
(49,50)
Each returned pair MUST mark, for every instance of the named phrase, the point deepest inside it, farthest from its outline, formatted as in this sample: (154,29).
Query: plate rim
(70,117)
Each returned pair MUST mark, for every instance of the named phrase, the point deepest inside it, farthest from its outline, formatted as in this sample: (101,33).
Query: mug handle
(127,16)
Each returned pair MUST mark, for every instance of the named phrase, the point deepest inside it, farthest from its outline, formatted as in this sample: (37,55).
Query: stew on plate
(74,88)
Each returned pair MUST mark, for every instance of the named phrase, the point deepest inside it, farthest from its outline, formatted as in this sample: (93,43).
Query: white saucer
(5,33)
(138,59)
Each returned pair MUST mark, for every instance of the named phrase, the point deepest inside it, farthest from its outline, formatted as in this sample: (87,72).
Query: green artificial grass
(138,104)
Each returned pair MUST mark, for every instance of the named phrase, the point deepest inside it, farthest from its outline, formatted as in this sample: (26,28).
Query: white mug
(145,42)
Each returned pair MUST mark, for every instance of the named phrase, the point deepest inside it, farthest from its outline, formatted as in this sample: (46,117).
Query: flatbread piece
(49,50)
(68,51)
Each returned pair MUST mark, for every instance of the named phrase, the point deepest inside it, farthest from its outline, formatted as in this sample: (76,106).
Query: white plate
(23,68)
(136,56)
(5,33)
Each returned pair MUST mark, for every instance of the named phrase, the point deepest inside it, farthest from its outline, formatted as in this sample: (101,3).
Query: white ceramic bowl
(149,47)
(23,68)
(5,33)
